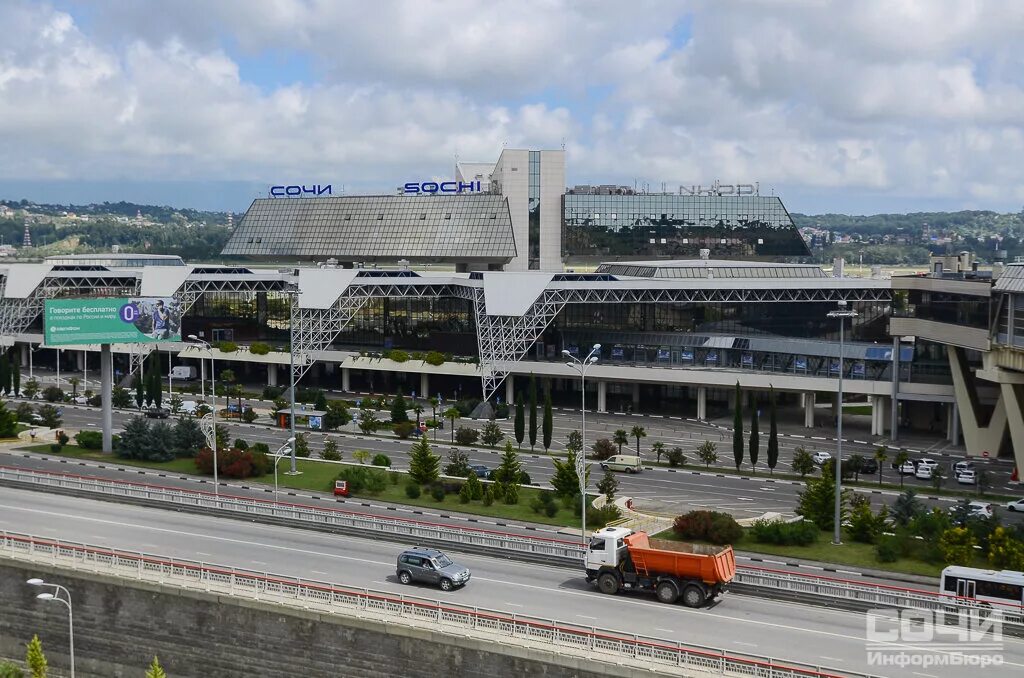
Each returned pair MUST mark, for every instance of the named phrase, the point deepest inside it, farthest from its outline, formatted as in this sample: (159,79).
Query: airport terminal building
(467,293)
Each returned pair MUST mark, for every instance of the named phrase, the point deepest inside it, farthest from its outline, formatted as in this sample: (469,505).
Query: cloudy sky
(859,107)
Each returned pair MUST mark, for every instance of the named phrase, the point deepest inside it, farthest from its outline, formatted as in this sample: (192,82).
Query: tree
(368,422)
(984,481)
(608,485)
(659,449)
(906,508)
(119,397)
(957,546)
(10,670)
(458,464)
(320,401)
(16,376)
(361,456)
(708,453)
(603,448)
(301,445)
(229,378)
(8,422)
(549,426)
(418,409)
(773,434)
(510,470)
(424,465)
(473,488)
(491,434)
(638,432)
(520,422)
(331,451)
(1005,552)
(336,415)
(32,388)
(865,526)
(880,457)
(620,438)
(135,439)
(817,502)
(452,414)
(565,481)
(737,429)
(35,658)
(855,464)
(399,410)
(187,437)
(5,375)
(938,477)
(803,462)
(50,415)
(901,458)
(755,440)
(533,411)
(155,670)
(575,442)
(74,381)
(175,403)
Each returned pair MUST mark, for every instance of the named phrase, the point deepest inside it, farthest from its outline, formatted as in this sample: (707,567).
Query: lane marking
(664,630)
(832,659)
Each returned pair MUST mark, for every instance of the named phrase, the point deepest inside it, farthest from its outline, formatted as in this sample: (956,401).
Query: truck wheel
(608,583)
(693,596)
(667,592)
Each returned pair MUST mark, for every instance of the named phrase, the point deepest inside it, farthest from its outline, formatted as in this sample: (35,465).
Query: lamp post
(213,396)
(581,470)
(842,314)
(281,451)
(58,366)
(58,589)
(294,298)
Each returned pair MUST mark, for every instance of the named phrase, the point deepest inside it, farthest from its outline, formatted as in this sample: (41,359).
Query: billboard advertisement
(111,321)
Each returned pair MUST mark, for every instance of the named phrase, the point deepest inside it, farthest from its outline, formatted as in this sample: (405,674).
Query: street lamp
(35,581)
(59,350)
(212,439)
(281,451)
(842,314)
(581,367)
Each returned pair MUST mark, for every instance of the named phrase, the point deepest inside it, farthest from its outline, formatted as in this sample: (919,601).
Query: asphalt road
(664,490)
(745,625)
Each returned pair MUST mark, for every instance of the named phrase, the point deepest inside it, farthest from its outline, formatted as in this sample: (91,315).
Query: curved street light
(212,436)
(47,596)
(581,367)
(281,452)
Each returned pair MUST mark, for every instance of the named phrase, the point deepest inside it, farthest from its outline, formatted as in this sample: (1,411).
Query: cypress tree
(737,433)
(533,411)
(773,435)
(5,375)
(755,439)
(35,659)
(520,423)
(16,376)
(548,422)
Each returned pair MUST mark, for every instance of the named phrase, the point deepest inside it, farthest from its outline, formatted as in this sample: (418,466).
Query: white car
(189,407)
(961,466)
(930,463)
(966,477)
(1016,505)
(821,457)
(923,472)
(908,469)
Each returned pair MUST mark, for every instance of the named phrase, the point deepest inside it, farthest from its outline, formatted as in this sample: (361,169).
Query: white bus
(990,586)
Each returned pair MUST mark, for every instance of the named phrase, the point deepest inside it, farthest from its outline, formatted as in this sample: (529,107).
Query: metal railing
(847,593)
(592,642)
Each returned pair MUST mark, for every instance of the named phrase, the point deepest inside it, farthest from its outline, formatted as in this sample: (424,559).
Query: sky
(851,107)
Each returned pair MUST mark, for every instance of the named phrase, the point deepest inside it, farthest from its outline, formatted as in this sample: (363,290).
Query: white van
(184,373)
(623,462)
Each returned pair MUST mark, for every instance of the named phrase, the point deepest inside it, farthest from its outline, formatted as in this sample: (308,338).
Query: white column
(271,375)
(636,397)
(346,375)
(602,396)
(702,402)
(809,410)
(425,386)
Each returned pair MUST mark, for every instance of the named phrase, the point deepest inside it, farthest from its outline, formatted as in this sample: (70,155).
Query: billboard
(111,321)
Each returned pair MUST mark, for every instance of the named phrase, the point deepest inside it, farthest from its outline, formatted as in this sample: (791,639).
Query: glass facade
(434,228)
(534,208)
(678,226)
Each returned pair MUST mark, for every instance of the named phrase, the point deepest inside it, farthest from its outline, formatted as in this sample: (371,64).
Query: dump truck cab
(619,559)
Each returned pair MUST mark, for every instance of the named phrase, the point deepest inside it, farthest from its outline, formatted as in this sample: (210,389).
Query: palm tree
(659,449)
(620,438)
(452,413)
(74,381)
(880,457)
(418,409)
(638,432)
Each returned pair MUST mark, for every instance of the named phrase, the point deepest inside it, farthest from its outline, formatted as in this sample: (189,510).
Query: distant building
(26,240)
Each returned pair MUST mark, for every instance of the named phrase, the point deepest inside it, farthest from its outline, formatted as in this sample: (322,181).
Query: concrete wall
(120,625)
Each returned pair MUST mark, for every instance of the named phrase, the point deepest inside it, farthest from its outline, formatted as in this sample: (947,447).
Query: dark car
(869,467)
(431,567)
(157,413)
(481,471)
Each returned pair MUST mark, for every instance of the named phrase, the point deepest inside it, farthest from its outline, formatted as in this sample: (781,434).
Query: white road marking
(583,616)
(664,630)
(318,572)
(740,642)
(831,659)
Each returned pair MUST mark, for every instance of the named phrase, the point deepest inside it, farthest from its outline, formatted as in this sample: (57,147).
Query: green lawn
(317,476)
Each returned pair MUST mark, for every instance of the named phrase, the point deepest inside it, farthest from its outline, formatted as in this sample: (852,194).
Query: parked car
(481,471)
(869,467)
(908,468)
(1015,505)
(923,472)
(189,407)
(820,457)
(961,466)
(966,477)
(930,463)
(629,463)
(157,413)
(431,567)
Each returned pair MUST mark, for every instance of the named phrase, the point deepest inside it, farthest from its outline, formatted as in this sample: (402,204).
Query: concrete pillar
(271,375)
(636,397)
(106,388)
(424,391)
(345,379)
(510,389)
(602,396)
(25,348)
(809,410)
(80,360)
(702,403)
(1013,395)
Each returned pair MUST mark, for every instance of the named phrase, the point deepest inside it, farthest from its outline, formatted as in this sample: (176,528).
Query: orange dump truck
(620,559)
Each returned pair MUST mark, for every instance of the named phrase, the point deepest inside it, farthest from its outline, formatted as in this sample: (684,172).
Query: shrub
(376,481)
(262,448)
(404,429)
(249,415)
(887,550)
(437,492)
(53,394)
(272,392)
(381,460)
(356,476)
(597,518)
(802,533)
(676,458)
(724,530)
(241,444)
(62,438)
(260,348)
(434,358)
(603,449)
(712,526)
(524,478)
(397,355)
(56,448)
(465,493)
(693,525)
(89,440)
(331,451)
(412,490)
(226,346)
(466,436)
(488,497)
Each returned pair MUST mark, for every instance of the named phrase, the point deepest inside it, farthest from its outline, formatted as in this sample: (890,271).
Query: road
(668,491)
(744,625)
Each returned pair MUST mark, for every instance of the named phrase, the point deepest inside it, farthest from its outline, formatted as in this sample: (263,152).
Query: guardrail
(592,642)
(808,588)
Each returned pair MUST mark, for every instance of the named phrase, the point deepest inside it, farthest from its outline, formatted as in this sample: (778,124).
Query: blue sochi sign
(414,187)
(296,191)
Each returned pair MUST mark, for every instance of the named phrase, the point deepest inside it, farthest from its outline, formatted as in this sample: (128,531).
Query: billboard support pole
(106,379)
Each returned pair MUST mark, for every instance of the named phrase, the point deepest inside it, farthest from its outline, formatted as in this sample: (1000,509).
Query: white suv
(821,457)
